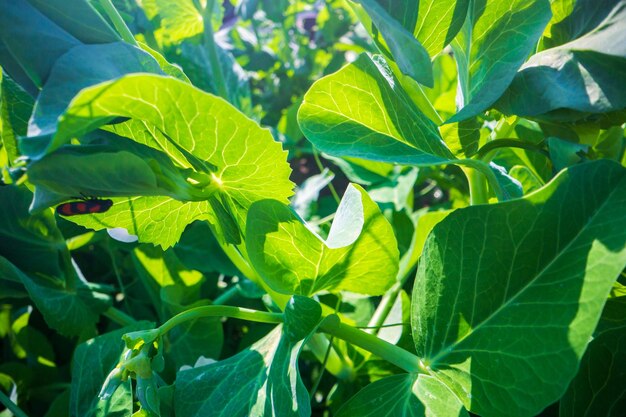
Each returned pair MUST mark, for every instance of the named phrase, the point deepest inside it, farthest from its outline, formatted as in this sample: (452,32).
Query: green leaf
(80,20)
(496,39)
(598,389)
(425,224)
(529,180)
(181,19)
(361,111)
(262,380)
(405,395)
(194,58)
(32,243)
(198,249)
(463,138)
(359,255)
(411,57)
(16,107)
(83,66)
(35,254)
(92,362)
(70,311)
(100,171)
(573,18)
(579,78)
(397,190)
(202,133)
(564,153)
(506,296)
(439,22)
(31,43)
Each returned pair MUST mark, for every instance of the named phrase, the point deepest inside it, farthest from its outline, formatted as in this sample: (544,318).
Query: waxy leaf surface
(496,39)
(197,131)
(362,111)
(598,389)
(359,255)
(582,76)
(405,395)
(407,52)
(507,296)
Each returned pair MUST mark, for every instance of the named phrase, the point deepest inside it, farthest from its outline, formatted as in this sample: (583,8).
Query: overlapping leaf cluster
(480,240)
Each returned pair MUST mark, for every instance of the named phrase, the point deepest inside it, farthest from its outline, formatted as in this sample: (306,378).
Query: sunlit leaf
(507,296)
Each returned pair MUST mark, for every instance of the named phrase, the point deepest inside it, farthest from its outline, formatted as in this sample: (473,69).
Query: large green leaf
(91,363)
(406,395)
(360,254)
(496,39)
(598,389)
(407,52)
(362,111)
(580,77)
(506,296)
(198,132)
(261,381)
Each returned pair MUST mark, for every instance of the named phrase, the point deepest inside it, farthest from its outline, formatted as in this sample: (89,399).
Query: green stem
(477,185)
(335,364)
(226,295)
(487,148)
(384,307)
(389,299)
(11,406)
(220,311)
(319,378)
(119,317)
(118,22)
(320,166)
(391,353)
(214,61)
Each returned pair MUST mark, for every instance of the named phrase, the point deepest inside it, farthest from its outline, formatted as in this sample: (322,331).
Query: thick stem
(220,311)
(477,185)
(214,61)
(391,353)
(118,22)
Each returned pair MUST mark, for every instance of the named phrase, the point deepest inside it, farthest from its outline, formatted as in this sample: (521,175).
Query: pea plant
(293,207)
